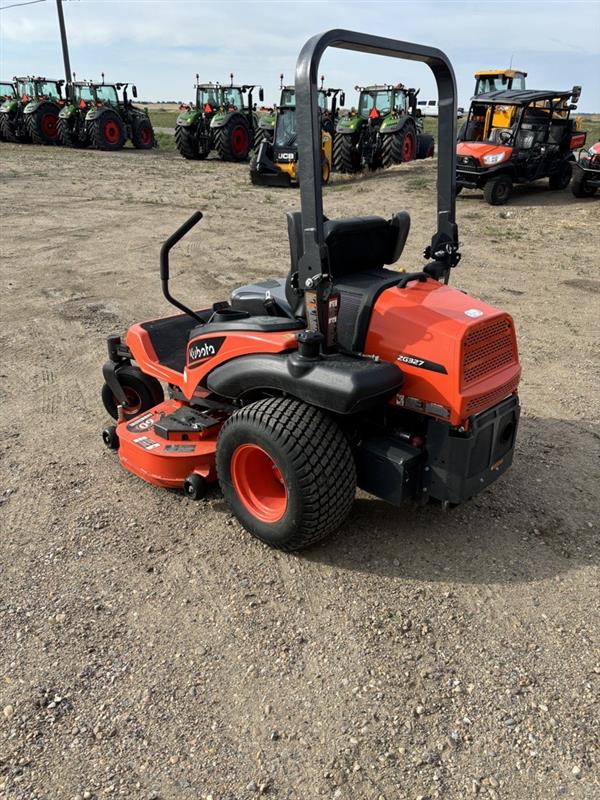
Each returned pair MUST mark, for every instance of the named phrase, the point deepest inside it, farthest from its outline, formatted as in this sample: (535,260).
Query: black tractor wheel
(42,124)
(67,136)
(497,190)
(425,146)
(9,130)
(142,134)
(400,146)
(346,157)
(562,177)
(262,135)
(233,141)
(107,132)
(143,392)
(186,141)
(286,471)
(580,187)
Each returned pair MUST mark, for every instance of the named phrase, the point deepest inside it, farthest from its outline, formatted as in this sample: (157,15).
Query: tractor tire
(67,137)
(262,135)
(562,178)
(399,147)
(5,129)
(286,471)
(579,186)
(143,392)
(233,141)
(186,142)
(345,155)
(107,132)
(497,190)
(9,131)
(42,125)
(142,135)
(425,146)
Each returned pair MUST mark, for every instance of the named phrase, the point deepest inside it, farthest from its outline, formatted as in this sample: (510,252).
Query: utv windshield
(285,129)
(382,100)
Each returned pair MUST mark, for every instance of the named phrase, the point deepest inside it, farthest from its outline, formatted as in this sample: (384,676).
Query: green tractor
(220,120)
(387,129)
(8,93)
(329,110)
(101,115)
(31,113)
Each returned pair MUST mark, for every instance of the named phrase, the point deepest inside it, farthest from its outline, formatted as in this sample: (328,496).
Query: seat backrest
(557,131)
(355,244)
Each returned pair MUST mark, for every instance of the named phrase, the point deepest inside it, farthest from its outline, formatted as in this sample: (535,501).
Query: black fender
(339,383)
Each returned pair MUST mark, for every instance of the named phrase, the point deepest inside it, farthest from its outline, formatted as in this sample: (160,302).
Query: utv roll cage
(313,266)
(548,104)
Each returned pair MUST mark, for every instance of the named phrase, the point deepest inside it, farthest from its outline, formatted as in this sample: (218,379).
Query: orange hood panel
(480,149)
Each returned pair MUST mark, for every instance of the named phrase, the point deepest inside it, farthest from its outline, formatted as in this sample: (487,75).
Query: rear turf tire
(107,132)
(579,186)
(562,178)
(143,391)
(346,158)
(497,190)
(233,141)
(309,457)
(42,124)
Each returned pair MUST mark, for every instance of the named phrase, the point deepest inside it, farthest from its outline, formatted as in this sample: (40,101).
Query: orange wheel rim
(259,483)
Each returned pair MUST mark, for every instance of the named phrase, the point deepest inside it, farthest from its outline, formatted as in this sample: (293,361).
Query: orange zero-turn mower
(345,373)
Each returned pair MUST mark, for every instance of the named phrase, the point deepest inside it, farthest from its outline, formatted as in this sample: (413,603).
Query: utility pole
(63,37)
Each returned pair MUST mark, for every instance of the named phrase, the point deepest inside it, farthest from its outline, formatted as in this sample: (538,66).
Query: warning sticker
(146,442)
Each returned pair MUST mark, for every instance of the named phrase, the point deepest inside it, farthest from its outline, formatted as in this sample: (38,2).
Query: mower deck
(170,442)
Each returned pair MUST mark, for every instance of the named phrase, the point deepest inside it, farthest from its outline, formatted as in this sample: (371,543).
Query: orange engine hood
(480,149)
(457,353)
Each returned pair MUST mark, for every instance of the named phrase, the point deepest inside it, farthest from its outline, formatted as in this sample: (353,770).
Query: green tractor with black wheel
(387,129)
(30,114)
(329,102)
(8,93)
(223,118)
(101,115)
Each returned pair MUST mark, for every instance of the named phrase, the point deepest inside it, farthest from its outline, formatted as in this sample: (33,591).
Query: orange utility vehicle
(344,373)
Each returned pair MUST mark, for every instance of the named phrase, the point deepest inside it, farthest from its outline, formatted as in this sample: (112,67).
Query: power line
(15,5)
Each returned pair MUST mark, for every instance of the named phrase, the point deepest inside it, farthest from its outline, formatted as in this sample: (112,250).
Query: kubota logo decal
(203,349)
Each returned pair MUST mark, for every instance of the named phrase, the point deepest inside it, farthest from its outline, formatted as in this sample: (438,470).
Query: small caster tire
(110,437)
(195,487)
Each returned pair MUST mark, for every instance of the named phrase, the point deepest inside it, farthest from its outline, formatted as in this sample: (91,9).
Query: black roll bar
(164,262)
(444,243)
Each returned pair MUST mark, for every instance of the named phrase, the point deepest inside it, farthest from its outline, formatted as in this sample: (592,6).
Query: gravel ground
(151,649)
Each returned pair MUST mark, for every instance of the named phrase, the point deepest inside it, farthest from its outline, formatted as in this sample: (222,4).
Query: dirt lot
(151,649)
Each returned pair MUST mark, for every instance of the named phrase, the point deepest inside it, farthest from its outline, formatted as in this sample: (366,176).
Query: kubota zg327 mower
(344,373)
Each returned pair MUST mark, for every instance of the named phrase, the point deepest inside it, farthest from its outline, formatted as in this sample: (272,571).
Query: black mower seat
(358,248)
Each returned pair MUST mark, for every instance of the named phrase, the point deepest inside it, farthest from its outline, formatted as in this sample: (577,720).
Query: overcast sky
(161,44)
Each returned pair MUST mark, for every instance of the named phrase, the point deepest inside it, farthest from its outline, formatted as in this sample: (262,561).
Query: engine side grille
(486,349)
(489,399)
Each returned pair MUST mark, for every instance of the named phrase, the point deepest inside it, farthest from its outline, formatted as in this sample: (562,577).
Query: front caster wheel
(195,487)
(110,438)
